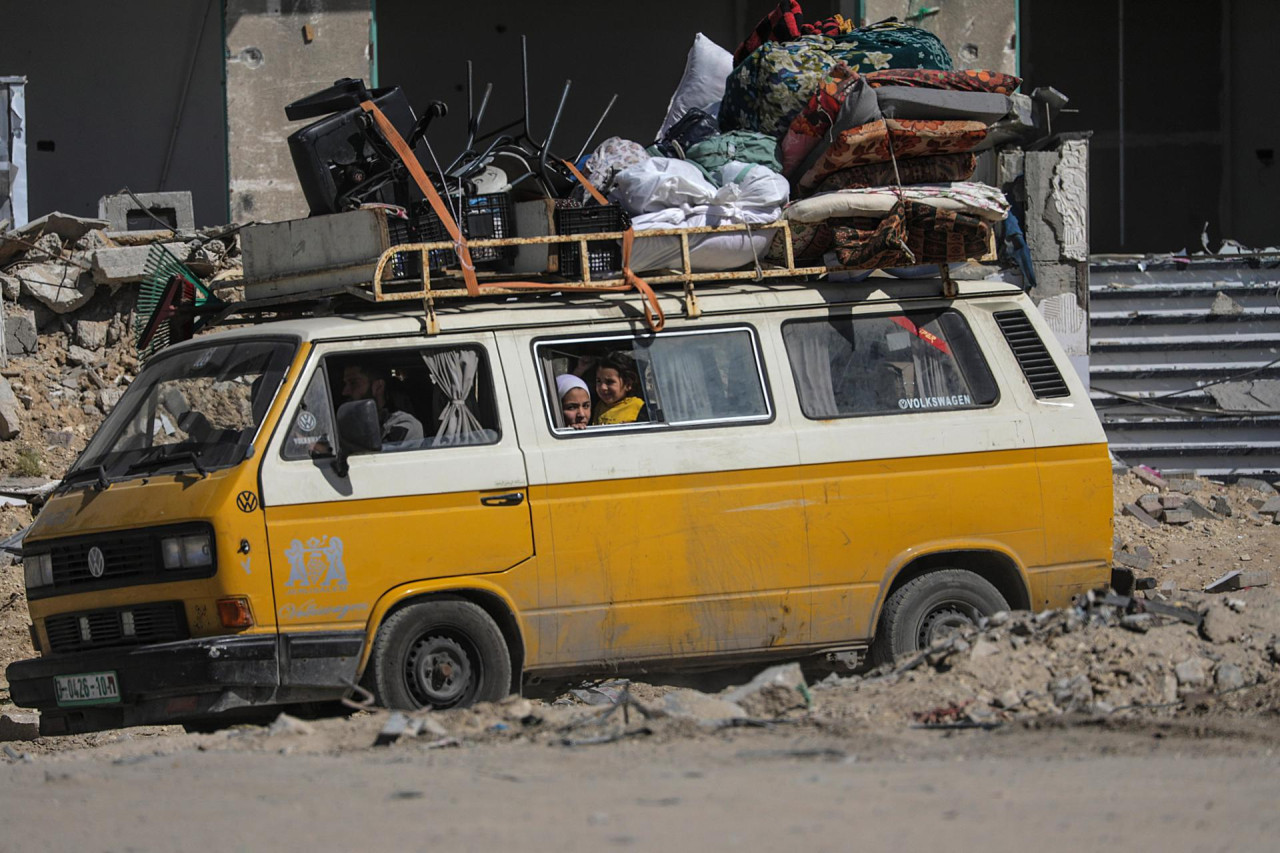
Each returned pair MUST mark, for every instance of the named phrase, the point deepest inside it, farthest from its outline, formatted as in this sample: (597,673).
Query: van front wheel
(445,653)
(925,610)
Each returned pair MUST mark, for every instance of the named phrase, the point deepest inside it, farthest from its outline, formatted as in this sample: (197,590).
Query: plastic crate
(483,217)
(604,257)
(404,264)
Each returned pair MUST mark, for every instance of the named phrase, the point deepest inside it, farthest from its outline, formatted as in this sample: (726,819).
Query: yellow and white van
(277,513)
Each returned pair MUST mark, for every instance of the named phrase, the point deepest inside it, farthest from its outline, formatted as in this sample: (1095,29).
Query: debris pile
(69,291)
(1158,654)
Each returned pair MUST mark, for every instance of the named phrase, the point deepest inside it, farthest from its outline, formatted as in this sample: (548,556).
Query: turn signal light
(235,612)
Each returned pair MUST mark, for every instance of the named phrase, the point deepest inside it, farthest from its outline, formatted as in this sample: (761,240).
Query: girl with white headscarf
(575,400)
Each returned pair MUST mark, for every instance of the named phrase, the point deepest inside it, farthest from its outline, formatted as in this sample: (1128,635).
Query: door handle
(509,499)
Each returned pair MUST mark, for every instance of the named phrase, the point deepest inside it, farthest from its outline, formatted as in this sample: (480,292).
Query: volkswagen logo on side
(97,562)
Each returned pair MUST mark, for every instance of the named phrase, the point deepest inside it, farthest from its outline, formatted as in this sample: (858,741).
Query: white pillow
(702,85)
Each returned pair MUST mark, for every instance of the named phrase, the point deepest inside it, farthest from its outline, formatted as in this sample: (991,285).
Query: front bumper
(192,679)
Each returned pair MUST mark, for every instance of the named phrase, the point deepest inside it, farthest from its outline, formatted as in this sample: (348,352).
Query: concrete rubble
(69,288)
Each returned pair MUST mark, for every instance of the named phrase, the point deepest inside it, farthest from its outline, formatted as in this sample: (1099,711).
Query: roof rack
(450,285)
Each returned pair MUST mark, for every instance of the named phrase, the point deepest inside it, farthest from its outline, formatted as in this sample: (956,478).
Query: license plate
(87,688)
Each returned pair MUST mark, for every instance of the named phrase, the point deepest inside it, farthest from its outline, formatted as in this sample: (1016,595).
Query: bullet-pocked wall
(278,51)
(119,95)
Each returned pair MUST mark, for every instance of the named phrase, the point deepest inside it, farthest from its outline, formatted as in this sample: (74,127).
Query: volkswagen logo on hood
(97,562)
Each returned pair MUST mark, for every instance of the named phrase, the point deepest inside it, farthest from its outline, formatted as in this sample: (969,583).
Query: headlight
(38,569)
(186,552)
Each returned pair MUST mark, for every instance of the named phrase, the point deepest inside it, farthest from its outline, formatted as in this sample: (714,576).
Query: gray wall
(1199,112)
(603,48)
(104,83)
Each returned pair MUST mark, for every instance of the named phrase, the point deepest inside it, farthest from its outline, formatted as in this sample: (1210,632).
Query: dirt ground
(1098,725)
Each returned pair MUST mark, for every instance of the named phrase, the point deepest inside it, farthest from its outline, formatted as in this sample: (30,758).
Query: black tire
(443,653)
(924,609)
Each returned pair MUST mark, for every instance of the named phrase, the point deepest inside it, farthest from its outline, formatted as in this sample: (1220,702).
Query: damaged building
(1143,198)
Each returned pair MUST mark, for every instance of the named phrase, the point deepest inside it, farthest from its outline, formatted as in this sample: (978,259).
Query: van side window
(311,433)
(671,379)
(426,398)
(865,365)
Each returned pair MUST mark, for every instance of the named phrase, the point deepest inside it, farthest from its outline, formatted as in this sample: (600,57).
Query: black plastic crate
(604,257)
(403,264)
(483,217)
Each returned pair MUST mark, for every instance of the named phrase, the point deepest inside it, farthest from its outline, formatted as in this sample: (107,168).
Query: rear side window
(674,379)
(885,364)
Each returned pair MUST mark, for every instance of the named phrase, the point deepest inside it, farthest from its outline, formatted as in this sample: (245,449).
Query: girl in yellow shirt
(616,382)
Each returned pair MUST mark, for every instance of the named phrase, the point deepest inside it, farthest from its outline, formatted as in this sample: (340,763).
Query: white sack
(702,85)
(750,194)
(660,183)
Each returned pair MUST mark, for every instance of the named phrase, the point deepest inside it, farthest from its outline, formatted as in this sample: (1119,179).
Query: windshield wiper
(191,456)
(98,472)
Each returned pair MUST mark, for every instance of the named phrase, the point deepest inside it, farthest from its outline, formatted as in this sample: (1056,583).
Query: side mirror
(358,431)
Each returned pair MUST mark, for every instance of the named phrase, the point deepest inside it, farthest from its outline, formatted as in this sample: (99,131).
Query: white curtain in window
(809,346)
(454,373)
(931,371)
(682,371)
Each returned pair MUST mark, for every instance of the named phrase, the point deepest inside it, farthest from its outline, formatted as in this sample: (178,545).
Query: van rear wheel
(927,609)
(444,653)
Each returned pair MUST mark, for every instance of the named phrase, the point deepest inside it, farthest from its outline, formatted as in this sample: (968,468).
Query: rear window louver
(1036,363)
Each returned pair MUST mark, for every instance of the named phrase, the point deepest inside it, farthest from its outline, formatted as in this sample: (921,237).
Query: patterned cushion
(774,82)
(967,80)
(884,140)
(808,128)
(942,168)
(910,234)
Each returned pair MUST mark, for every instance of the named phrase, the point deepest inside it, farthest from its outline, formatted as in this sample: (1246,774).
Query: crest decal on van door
(316,566)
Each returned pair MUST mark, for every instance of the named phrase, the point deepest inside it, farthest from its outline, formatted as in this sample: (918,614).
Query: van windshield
(198,409)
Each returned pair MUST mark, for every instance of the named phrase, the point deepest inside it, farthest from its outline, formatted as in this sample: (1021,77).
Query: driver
(370,383)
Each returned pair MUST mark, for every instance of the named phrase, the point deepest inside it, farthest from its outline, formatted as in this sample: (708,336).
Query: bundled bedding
(869,133)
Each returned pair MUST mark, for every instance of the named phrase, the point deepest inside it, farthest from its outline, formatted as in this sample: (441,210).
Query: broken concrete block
(92,334)
(1174,501)
(20,337)
(1270,507)
(1150,503)
(61,287)
(123,213)
(128,264)
(1257,485)
(1198,509)
(10,421)
(1148,476)
(10,287)
(693,704)
(45,248)
(1228,677)
(59,437)
(80,355)
(286,724)
(108,397)
(1190,672)
(19,725)
(1221,506)
(1236,579)
(1139,558)
(1141,514)
(1139,623)
(69,228)
(772,692)
(1224,306)
(1185,485)
(1178,516)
